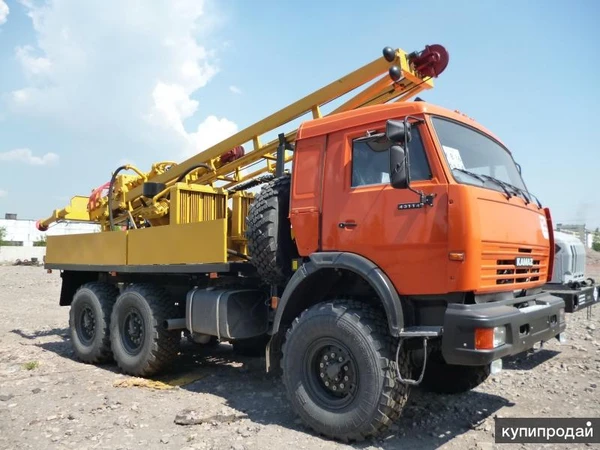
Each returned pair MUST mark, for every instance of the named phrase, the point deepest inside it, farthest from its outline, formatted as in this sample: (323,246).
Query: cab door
(363,214)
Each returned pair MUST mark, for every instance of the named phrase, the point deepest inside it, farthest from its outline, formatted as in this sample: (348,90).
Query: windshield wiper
(504,185)
(482,178)
(522,192)
(527,195)
(499,183)
(537,200)
(468,172)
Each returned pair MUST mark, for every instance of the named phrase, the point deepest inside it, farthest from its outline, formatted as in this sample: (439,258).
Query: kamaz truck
(391,243)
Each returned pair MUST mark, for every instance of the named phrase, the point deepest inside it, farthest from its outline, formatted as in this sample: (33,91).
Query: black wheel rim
(331,373)
(87,325)
(132,331)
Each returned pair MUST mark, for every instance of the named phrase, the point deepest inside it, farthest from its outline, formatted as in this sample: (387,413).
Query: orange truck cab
(446,233)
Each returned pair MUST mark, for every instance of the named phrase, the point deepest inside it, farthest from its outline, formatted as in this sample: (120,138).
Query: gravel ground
(49,400)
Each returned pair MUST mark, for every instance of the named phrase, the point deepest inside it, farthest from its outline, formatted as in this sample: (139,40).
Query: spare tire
(268,231)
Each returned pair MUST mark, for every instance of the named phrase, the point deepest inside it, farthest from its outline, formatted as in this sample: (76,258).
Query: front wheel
(339,371)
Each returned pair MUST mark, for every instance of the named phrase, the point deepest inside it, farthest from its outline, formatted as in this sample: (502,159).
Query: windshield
(475,158)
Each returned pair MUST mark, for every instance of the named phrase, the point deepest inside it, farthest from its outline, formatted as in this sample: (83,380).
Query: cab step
(425,331)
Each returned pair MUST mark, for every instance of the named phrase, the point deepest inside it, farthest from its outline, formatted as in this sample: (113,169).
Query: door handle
(347,224)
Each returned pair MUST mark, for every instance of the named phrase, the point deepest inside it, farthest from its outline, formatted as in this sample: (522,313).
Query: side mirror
(398,167)
(397,131)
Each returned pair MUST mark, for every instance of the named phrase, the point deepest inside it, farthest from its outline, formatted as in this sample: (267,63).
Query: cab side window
(371,160)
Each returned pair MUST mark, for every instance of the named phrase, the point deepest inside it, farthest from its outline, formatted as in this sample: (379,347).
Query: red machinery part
(233,154)
(96,195)
(548,215)
(40,227)
(431,62)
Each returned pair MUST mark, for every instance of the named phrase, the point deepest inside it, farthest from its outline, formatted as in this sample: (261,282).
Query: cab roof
(376,113)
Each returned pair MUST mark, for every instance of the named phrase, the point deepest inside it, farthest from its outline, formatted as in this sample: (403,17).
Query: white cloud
(235,89)
(3,12)
(32,65)
(209,132)
(3,193)
(130,73)
(26,156)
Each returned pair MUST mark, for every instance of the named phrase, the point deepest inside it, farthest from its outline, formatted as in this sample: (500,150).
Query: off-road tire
(254,347)
(363,331)
(158,347)
(268,231)
(443,378)
(98,299)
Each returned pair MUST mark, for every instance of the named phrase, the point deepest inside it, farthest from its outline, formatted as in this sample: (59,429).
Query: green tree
(2,236)
(40,242)
(596,240)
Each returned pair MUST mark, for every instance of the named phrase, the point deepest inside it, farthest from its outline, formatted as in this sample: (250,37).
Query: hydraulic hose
(197,166)
(110,189)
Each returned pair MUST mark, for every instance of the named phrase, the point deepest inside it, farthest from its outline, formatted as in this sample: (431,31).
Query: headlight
(499,336)
(561,315)
(596,289)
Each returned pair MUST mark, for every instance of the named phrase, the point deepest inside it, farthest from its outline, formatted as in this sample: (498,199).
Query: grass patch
(31,365)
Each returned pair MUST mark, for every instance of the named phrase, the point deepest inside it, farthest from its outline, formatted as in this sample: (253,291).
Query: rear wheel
(339,371)
(444,378)
(89,322)
(140,344)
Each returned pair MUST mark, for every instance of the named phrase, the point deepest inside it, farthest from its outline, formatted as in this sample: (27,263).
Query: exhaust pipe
(174,324)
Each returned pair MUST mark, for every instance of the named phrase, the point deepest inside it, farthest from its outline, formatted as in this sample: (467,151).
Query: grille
(246,203)
(499,266)
(200,206)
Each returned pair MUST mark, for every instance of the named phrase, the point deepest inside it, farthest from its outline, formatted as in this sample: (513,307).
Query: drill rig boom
(156,197)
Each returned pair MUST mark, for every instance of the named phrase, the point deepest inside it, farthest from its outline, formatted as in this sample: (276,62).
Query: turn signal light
(456,256)
(484,338)
(489,338)
(274,302)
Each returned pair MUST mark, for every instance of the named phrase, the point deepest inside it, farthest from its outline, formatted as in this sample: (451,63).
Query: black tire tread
(107,295)
(165,344)
(395,394)
(269,250)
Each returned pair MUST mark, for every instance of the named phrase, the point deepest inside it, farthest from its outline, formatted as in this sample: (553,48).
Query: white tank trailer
(568,276)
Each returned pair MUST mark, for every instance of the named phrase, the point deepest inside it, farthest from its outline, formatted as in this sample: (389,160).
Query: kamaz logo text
(523,262)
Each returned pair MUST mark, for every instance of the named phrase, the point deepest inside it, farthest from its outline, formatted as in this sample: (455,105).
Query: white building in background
(23,233)
(580,231)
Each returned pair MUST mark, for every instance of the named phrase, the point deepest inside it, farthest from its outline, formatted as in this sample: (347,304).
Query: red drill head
(431,62)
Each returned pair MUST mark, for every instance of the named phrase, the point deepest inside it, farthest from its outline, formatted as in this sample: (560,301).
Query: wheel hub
(87,325)
(336,370)
(133,331)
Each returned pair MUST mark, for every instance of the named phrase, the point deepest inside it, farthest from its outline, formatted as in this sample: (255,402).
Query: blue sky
(86,86)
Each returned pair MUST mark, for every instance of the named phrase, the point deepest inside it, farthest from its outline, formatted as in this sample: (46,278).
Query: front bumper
(528,320)
(575,299)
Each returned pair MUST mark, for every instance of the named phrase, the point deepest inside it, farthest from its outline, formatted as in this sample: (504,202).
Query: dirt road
(50,401)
